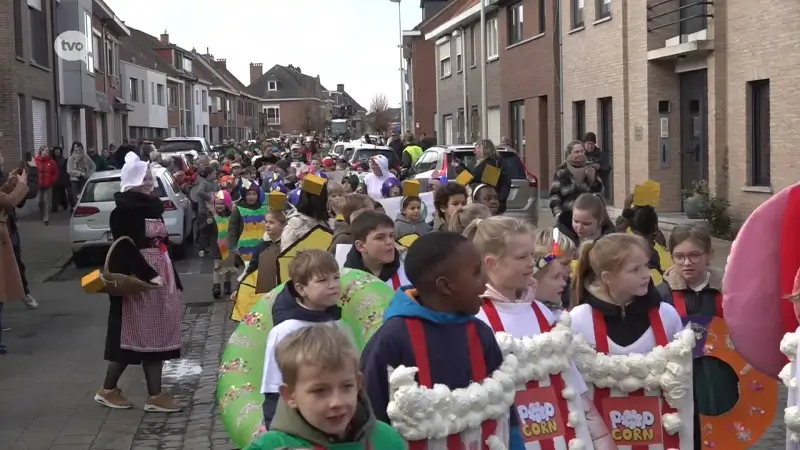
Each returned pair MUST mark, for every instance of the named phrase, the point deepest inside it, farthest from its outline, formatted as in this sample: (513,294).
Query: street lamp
(402,74)
(484,101)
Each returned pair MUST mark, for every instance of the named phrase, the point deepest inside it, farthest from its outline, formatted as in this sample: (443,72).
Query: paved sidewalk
(45,249)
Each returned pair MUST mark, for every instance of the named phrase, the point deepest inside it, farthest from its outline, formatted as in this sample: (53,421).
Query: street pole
(484,56)
(402,74)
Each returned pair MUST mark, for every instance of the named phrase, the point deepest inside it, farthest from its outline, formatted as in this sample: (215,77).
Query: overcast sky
(353,42)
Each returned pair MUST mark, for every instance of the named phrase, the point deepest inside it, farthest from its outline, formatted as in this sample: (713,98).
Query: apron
(151,321)
(222,237)
(545,426)
(465,439)
(652,407)
(253,227)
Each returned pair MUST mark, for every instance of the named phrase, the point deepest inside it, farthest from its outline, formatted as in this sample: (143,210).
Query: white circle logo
(72,46)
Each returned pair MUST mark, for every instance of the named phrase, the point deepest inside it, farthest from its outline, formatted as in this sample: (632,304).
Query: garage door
(39,123)
(494,124)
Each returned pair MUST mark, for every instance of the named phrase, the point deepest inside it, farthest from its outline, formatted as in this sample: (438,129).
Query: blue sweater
(448,352)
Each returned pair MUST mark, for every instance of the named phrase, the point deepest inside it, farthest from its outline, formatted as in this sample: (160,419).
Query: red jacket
(48,171)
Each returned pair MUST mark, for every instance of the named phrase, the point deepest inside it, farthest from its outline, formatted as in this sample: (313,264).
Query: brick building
(677,96)
(28,83)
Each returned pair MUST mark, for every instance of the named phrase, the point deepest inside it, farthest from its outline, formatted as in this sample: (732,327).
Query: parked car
(523,200)
(363,152)
(340,147)
(89,229)
(184,144)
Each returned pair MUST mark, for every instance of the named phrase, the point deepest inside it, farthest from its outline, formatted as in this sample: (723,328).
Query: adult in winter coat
(62,191)
(486,155)
(79,167)
(48,179)
(573,178)
(12,192)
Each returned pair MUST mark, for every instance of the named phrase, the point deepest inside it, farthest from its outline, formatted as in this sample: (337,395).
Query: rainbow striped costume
(253,228)
(222,236)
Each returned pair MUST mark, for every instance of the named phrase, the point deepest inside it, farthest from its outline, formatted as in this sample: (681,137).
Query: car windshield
(364,154)
(103,190)
(181,146)
(511,164)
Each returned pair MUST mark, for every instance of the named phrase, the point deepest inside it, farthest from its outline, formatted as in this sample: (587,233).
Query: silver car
(89,226)
(523,200)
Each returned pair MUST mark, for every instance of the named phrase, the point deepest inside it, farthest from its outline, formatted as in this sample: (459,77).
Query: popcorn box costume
(643,390)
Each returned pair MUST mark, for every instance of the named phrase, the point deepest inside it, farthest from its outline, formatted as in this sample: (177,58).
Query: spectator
(48,178)
(599,159)
(573,178)
(79,167)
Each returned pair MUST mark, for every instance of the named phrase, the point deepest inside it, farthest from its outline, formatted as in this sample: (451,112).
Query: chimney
(256,70)
(221,63)
(339,88)
(165,38)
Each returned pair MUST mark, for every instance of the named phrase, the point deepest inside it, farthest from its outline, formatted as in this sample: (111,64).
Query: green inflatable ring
(364,299)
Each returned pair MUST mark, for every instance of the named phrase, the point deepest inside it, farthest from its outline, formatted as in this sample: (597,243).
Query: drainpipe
(560,78)
(464,81)
(98,145)
(438,78)
(56,87)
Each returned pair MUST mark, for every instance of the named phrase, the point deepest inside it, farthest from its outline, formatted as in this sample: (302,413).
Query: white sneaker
(31,302)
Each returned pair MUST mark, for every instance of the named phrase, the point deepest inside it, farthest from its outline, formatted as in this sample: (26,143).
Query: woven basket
(120,284)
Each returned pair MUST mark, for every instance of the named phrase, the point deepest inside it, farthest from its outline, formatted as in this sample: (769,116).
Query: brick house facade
(28,95)
(685,101)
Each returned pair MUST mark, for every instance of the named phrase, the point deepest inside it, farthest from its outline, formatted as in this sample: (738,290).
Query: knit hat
(590,137)
(133,172)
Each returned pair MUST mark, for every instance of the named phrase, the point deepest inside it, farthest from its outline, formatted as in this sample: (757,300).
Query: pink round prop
(753,297)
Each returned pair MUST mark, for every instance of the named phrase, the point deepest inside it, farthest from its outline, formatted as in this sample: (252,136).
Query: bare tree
(380,116)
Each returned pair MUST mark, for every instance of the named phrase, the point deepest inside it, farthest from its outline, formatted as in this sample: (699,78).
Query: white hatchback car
(89,228)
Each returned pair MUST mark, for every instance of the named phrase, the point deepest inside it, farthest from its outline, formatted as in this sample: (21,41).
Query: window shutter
(35,4)
(444,51)
(39,123)
(458,45)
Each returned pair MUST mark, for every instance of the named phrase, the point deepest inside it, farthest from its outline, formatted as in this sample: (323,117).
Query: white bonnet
(133,172)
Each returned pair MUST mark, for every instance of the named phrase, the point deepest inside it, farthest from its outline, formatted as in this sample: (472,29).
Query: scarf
(578,172)
(528,296)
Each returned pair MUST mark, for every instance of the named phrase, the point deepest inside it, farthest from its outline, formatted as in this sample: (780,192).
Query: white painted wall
(147,112)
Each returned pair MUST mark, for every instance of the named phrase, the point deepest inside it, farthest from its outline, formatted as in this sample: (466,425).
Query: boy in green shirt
(322,405)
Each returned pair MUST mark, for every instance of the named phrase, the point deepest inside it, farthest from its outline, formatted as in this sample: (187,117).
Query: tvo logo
(72,46)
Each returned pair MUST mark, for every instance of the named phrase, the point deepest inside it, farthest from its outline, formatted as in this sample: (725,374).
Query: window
(187,64)
(444,59)
(196,97)
(448,130)
(272,85)
(152,93)
(515,22)
(134,88)
(579,119)
(492,39)
(218,104)
(758,142)
(577,13)
(19,46)
(96,44)
(603,9)
(273,115)
(473,45)
(542,16)
(112,57)
(37,20)
(160,94)
(144,93)
(460,126)
(91,64)
(459,53)
(228,106)
(205,100)
(178,59)
(517,110)
(474,123)
(172,96)
(605,111)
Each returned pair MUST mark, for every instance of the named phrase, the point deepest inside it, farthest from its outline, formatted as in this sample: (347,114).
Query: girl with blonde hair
(507,247)
(552,274)
(618,311)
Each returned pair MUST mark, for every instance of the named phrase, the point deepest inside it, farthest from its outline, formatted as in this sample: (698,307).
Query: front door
(694,127)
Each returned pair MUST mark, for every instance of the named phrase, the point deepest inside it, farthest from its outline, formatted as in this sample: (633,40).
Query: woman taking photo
(143,328)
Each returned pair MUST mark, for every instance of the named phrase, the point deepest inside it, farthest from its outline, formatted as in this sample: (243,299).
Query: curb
(56,270)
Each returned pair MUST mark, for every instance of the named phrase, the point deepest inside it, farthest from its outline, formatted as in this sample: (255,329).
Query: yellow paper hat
(313,184)
(411,188)
(464,178)
(276,200)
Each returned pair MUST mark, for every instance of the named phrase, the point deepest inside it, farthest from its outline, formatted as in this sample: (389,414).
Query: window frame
(602,9)
(19,30)
(579,119)
(577,7)
(276,120)
(516,23)
(759,133)
(38,33)
(133,89)
(459,53)
(473,56)
(96,39)
(272,86)
(542,16)
(445,63)
(492,40)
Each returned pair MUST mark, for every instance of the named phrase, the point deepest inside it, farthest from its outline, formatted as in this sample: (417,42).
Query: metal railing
(689,13)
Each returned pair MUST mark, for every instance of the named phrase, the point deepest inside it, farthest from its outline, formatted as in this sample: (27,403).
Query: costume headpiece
(555,253)
(133,172)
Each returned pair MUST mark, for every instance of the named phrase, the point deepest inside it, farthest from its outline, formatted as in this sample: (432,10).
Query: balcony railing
(690,16)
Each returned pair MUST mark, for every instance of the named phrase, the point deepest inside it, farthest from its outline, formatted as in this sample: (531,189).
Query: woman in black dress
(143,329)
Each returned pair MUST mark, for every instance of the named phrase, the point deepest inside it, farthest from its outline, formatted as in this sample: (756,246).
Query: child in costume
(224,269)
(553,271)
(618,311)
(391,188)
(246,226)
(311,211)
(448,199)
(322,404)
(506,245)
(374,250)
(464,390)
(309,297)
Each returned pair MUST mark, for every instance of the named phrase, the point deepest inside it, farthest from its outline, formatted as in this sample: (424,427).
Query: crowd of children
(483,305)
